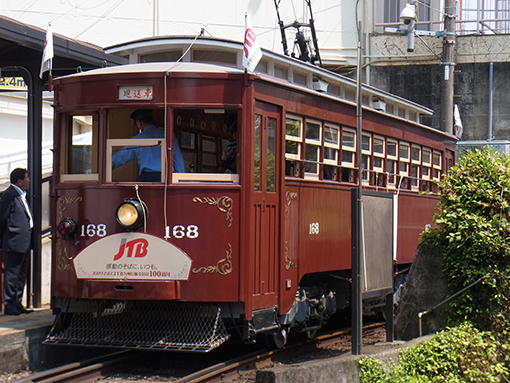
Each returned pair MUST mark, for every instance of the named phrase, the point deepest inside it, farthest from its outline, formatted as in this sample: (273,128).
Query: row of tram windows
(325,151)
(204,145)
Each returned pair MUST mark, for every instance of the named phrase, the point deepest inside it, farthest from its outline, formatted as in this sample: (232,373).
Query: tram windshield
(203,147)
(79,149)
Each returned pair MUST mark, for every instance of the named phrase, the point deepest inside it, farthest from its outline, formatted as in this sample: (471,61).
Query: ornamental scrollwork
(222,267)
(62,203)
(289,196)
(224,204)
(288,263)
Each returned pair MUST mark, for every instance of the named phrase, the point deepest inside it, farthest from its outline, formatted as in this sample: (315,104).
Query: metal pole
(449,65)
(357,226)
(35,172)
(491,97)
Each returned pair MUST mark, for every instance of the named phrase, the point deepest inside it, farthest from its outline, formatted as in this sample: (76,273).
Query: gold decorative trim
(288,263)
(63,262)
(224,204)
(222,267)
(289,196)
(62,203)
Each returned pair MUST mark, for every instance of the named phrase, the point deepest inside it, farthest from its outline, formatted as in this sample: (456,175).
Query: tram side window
(379,161)
(79,153)
(331,149)
(404,165)
(366,149)
(348,154)
(426,170)
(312,149)
(391,163)
(415,166)
(208,139)
(293,134)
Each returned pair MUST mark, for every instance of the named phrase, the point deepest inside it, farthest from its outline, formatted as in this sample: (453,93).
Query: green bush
(461,354)
(473,230)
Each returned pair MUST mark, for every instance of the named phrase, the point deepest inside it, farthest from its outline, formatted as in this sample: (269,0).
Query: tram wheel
(278,339)
(311,334)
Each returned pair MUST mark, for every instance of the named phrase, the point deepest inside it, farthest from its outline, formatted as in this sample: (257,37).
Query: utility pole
(449,66)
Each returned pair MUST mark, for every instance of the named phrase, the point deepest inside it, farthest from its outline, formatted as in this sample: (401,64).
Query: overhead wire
(112,8)
(165,158)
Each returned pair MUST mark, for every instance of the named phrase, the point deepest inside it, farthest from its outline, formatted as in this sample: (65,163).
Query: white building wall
(110,22)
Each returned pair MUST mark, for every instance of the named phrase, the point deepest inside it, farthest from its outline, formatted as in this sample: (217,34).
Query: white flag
(458,123)
(251,53)
(47,56)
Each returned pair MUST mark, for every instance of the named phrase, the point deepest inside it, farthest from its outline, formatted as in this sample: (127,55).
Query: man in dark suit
(16,233)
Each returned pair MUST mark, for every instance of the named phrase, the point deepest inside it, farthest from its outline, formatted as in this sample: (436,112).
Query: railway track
(86,371)
(246,366)
(240,368)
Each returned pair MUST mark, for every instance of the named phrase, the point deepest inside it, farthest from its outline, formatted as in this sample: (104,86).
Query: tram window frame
(391,162)
(120,132)
(348,151)
(366,155)
(416,154)
(331,150)
(69,121)
(214,56)
(293,159)
(281,72)
(211,131)
(436,165)
(426,170)
(299,78)
(404,163)
(379,160)
(313,142)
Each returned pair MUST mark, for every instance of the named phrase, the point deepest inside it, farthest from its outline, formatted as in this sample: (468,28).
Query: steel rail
(86,370)
(209,373)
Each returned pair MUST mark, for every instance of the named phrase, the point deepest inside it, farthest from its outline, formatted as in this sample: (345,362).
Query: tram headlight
(67,228)
(131,214)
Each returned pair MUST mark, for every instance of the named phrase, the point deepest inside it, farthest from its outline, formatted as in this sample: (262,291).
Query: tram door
(265,204)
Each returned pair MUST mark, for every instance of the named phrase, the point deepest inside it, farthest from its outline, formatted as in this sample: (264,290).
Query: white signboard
(132,256)
(135,92)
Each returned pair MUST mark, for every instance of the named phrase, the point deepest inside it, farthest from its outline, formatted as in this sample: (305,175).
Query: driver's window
(135,145)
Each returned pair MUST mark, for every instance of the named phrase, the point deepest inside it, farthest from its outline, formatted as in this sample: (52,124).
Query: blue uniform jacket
(149,157)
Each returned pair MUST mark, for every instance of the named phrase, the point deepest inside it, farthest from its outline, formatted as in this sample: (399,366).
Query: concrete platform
(338,369)
(21,340)
(21,346)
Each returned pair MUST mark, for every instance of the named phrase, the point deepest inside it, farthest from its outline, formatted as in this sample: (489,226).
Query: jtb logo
(136,247)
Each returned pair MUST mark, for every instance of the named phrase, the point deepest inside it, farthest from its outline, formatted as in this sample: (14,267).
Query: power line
(112,8)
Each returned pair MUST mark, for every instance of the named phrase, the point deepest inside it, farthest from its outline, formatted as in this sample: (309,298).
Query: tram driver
(148,157)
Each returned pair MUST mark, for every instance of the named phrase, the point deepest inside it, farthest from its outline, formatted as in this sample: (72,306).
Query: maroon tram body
(265,250)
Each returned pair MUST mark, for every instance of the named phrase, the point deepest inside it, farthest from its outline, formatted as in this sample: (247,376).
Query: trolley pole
(447,89)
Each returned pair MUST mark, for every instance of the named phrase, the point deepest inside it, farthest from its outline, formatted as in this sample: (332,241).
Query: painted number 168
(314,228)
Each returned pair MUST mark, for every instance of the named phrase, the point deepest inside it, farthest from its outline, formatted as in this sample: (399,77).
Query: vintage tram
(184,261)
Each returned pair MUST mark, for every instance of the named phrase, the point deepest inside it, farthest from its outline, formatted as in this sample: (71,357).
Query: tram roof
(161,67)
(272,59)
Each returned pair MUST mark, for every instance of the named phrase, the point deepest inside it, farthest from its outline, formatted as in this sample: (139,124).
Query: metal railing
(421,314)
(463,27)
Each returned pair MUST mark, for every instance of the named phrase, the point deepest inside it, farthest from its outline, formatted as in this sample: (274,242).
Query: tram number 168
(314,228)
(180,231)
